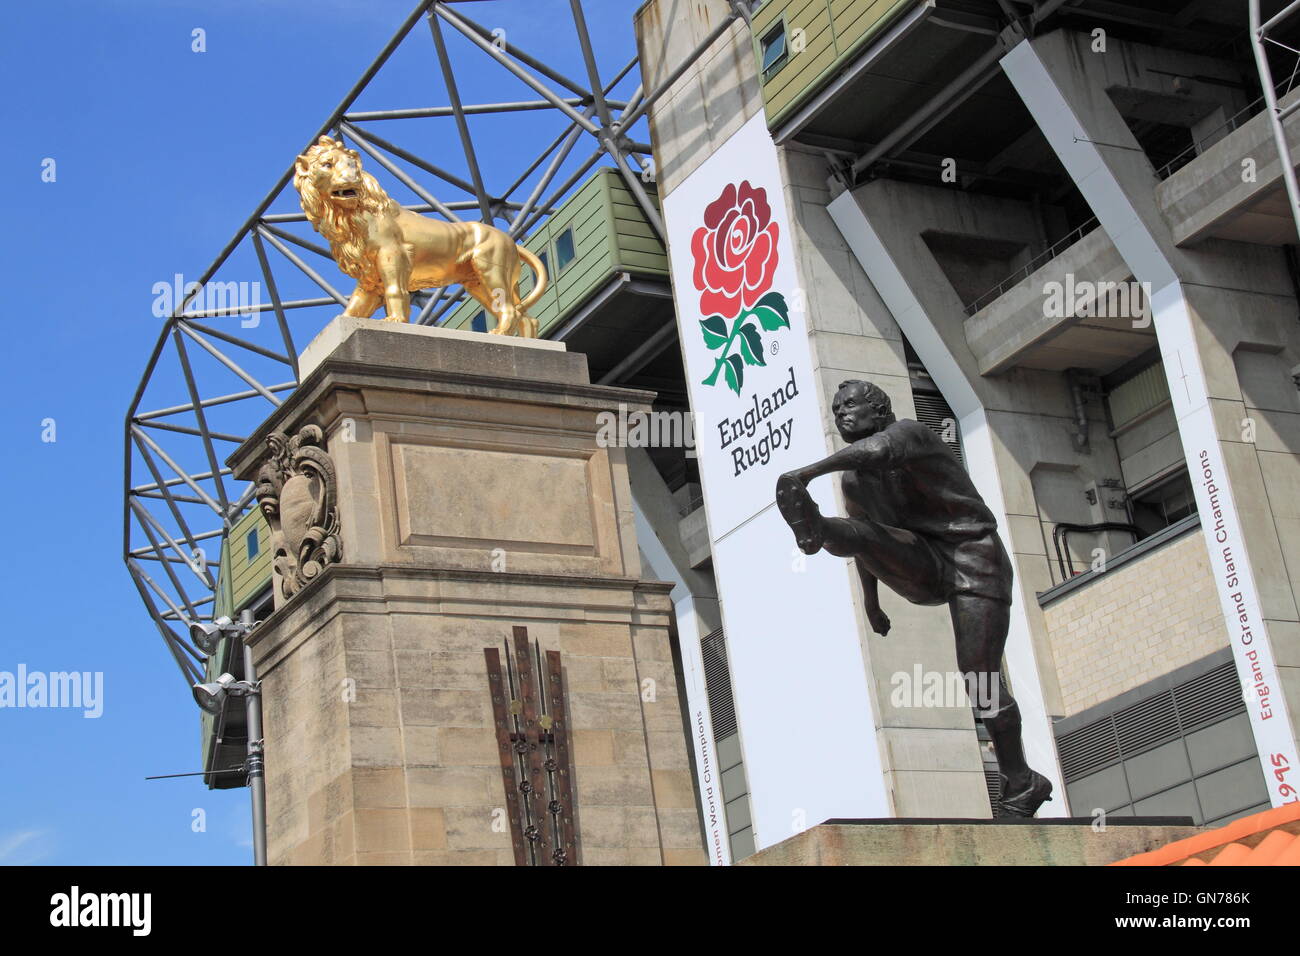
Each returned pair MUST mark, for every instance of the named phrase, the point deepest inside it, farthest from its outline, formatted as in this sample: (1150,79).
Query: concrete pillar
(1225,320)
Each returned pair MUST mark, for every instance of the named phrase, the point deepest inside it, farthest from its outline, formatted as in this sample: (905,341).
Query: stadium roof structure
(223,359)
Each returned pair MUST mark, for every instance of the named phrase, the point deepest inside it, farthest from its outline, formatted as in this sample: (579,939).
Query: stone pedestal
(1060,842)
(471,496)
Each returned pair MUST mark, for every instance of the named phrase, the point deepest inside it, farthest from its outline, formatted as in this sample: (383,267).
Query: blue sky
(160,154)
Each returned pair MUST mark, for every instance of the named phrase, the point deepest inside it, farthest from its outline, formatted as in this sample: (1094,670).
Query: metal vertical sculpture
(530,715)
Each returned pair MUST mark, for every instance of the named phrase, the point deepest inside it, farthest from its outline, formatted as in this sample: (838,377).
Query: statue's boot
(1027,802)
(800,513)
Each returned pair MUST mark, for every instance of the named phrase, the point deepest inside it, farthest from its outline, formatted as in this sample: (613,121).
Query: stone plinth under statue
(462,492)
(907,842)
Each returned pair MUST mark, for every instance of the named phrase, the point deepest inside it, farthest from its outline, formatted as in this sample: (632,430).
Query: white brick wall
(1135,623)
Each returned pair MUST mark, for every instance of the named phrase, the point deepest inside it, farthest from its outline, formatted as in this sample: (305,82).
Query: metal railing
(1061,534)
(1230,125)
(1233,123)
(1030,267)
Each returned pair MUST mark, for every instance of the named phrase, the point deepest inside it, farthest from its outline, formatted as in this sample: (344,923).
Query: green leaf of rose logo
(771,312)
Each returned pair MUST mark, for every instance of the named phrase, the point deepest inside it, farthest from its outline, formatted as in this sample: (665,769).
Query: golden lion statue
(392,252)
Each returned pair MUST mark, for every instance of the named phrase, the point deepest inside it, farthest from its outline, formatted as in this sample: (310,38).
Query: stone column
(457,489)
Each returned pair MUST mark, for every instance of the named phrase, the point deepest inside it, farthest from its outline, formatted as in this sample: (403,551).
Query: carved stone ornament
(298,494)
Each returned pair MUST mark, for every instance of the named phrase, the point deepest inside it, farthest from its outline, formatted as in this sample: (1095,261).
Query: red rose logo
(735,260)
(735,250)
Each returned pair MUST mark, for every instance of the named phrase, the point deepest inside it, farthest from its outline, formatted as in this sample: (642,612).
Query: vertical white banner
(803,701)
(708,777)
(1234,581)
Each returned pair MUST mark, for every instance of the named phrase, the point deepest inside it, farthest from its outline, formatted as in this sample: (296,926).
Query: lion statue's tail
(543,279)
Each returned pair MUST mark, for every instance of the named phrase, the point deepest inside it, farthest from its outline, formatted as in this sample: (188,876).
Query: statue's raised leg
(903,561)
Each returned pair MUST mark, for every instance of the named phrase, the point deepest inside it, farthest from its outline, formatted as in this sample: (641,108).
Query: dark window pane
(564,252)
(1105,789)
(1161,506)
(1221,744)
(774,48)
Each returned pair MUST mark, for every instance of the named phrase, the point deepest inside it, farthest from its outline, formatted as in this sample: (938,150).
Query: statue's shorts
(978,566)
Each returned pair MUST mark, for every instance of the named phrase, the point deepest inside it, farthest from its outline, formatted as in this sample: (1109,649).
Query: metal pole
(565,135)
(637,190)
(496,54)
(453,94)
(1258,38)
(256,764)
(641,356)
(469,109)
(555,196)
(424,164)
(568,142)
(589,57)
(190,674)
(311,273)
(201,418)
(1275,20)
(398,174)
(466,26)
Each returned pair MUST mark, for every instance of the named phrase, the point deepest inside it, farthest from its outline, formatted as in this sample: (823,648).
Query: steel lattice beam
(215,368)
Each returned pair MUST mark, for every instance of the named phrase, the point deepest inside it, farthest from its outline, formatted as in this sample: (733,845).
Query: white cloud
(23,847)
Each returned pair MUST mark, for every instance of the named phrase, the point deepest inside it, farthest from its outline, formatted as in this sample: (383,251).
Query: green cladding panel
(606,233)
(820,38)
(243,575)
(249,551)
(245,568)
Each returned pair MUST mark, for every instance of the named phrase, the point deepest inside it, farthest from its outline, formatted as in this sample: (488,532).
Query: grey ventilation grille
(717,682)
(1147,724)
(933,412)
(1169,715)
(993,783)
(1209,696)
(1088,749)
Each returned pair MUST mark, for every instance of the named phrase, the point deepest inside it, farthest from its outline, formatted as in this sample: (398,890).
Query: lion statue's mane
(346,229)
